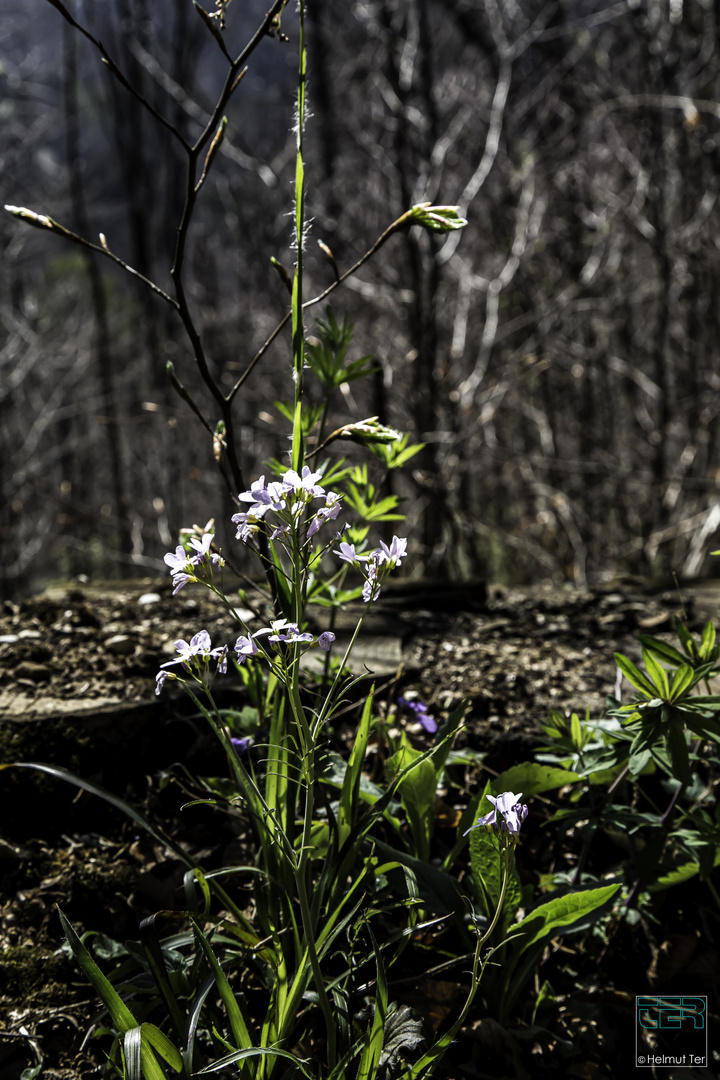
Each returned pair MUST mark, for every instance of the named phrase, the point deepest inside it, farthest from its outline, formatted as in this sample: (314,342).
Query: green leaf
(658,674)
(235,1016)
(160,1042)
(686,639)
(634,676)
(682,681)
(94,789)
(417,790)
(256,1051)
(350,791)
(156,963)
(132,1053)
(367,1069)
(531,778)
(562,915)
(667,652)
(707,642)
(120,1015)
(436,889)
(678,750)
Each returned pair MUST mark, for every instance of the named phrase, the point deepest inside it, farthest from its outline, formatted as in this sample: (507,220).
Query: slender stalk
(298,329)
(425,1064)
(390,231)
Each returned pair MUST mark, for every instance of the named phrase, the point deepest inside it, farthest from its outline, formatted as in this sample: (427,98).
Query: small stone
(8,639)
(150,598)
(120,644)
(32,671)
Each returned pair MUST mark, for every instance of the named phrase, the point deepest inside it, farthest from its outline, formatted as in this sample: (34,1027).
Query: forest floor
(77,667)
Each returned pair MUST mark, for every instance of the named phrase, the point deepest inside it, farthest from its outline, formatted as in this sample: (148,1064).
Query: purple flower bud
(241,745)
(325,640)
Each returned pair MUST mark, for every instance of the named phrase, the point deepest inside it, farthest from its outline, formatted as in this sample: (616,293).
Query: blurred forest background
(558,357)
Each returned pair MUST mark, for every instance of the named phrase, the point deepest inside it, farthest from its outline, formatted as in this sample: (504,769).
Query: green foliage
(364,498)
(327,356)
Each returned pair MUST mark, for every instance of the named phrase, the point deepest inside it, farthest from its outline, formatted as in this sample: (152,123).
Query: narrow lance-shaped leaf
(634,675)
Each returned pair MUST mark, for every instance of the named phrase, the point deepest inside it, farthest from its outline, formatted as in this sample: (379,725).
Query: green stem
(425,1064)
(298,329)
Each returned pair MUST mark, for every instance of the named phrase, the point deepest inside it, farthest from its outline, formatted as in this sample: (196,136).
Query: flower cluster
(195,657)
(186,566)
(375,565)
(512,814)
(421,714)
(278,632)
(286,499)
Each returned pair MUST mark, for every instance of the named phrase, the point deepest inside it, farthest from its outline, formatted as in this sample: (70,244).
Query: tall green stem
(298,330)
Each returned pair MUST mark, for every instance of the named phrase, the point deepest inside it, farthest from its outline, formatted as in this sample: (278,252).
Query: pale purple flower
(348,554)
(393,554)
(512,813)
(288,498)
(328,512)
(178,560)
(371,589)
(198,645)
(306,485)
(282,630)
(279,631)
(197,654)
(249,523)
(421,714)
(180,580)
(258,493)
(202,547)
(180,563)
(244,647)
(379,563)
(241,746)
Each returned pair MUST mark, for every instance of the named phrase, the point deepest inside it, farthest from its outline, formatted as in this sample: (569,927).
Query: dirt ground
(77,667)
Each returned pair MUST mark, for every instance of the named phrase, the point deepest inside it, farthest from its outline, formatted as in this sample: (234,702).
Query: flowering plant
(512,814)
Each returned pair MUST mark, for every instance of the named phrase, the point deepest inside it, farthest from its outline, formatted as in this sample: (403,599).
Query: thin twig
(115,70)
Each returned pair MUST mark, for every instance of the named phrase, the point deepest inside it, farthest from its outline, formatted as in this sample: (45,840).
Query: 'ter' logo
(671,1012)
